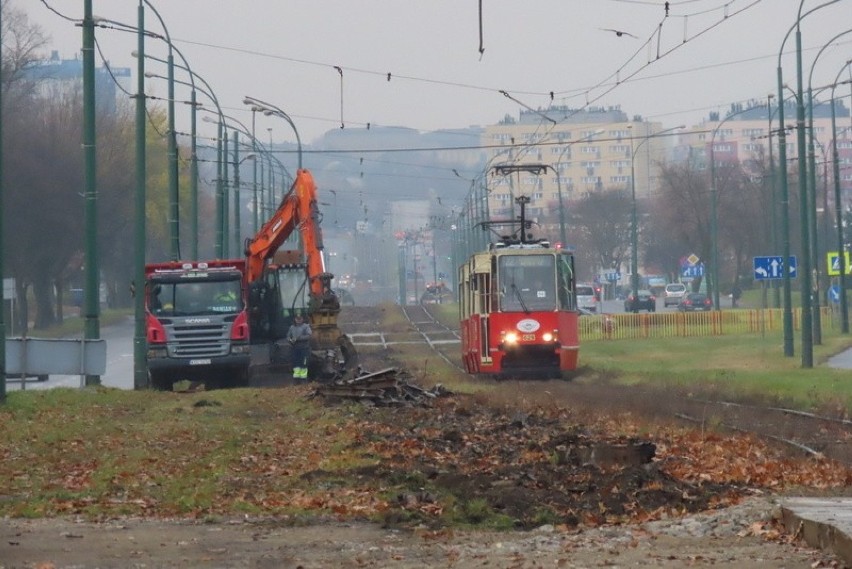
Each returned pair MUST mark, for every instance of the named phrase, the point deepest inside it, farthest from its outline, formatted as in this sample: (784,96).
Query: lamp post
(174,212)
(237,210)
(807,339)
(269,109)
(140,364)
(193,171)
(2,264)
(634,231)
(838,208)
(714,216)
(92,289)
(562,235)
(817,316)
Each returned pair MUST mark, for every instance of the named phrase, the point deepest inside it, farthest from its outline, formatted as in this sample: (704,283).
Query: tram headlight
(547,337)
(510,338)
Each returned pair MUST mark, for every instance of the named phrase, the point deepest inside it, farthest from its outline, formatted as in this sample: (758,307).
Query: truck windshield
(194,298)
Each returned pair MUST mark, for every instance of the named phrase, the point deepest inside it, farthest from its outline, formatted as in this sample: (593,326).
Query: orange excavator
(283,283)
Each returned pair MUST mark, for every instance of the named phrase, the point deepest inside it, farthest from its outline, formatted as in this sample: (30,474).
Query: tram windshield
(527,282)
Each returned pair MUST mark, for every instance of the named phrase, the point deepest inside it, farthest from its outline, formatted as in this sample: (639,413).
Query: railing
(684,324)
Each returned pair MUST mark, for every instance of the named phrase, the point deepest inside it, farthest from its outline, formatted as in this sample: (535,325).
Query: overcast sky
(705,55)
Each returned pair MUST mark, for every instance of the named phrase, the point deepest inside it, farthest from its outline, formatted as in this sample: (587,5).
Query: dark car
(644,301)
(695,301)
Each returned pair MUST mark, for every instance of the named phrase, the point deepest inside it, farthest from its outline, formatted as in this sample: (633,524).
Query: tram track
(815,433)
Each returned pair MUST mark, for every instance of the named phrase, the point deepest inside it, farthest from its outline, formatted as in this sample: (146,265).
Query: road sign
(692,271)
(834,294)
(772,267)
(613,277)
(833,263)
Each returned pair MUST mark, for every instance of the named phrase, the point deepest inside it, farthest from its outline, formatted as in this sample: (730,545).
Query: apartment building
(558,155)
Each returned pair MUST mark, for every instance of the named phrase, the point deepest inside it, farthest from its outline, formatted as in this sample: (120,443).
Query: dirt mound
(463,461)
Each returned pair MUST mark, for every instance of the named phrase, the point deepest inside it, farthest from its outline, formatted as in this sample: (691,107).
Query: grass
(100,452)
(741,364)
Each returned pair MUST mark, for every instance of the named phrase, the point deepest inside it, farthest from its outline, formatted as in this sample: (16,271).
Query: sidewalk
(824,523)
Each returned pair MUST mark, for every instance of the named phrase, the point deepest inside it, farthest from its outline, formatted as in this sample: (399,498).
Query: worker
(299,336)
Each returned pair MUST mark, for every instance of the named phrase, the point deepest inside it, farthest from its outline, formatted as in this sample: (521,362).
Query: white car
(673,294)
(586,298)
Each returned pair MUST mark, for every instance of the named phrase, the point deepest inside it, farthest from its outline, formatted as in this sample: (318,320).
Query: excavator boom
(298,210)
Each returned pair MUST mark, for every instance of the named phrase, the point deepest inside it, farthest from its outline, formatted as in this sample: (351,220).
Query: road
(119,363)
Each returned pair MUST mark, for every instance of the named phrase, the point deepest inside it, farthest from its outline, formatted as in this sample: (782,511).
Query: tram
(517,307)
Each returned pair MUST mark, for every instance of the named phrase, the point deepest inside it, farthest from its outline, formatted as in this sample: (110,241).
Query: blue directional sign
(692,271)
(772,267)
(834,294)
(613,277)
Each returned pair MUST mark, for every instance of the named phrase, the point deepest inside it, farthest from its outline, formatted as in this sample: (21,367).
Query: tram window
(527,283)
(565,282)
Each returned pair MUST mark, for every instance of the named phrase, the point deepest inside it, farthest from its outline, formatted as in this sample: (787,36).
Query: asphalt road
(119,363)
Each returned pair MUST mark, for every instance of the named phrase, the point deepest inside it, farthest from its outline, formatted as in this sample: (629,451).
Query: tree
(601,228)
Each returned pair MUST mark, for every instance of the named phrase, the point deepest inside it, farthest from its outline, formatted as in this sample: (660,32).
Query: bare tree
(601,228)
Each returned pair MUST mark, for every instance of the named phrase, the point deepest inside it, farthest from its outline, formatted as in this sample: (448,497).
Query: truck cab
(197,323)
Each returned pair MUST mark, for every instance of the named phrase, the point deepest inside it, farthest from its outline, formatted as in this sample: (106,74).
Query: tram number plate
(528,337)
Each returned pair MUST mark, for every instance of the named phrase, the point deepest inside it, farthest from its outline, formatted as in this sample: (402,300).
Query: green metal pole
(785,218)
(174,207)
(193,178)
(2,284)
(817,317)
(226,214)
(92,295)
(776,290)
(220,192)
(838,219)
(255,201)
(805,273)
(634,233)
(236,192)
(140,366)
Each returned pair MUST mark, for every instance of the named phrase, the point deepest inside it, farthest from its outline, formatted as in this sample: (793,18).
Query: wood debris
(386,388)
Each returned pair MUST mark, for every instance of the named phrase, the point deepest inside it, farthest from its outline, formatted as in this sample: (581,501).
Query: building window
(589,149)
(620,149)
(619,179)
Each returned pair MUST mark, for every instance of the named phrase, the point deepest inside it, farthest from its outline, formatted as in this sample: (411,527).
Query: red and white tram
(518,310)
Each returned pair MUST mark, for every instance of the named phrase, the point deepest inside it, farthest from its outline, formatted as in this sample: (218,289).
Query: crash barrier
(686,324)
(39,357)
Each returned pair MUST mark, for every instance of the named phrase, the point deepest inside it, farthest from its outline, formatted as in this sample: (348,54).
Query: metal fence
(685,324)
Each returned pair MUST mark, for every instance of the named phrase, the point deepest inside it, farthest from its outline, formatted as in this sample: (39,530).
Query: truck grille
(194,341)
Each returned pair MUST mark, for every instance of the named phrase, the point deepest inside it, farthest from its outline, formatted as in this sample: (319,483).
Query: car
(586,297)
(644,301)
(673,294)
(695,301)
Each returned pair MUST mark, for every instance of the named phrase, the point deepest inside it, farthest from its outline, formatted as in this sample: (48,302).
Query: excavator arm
(299,210)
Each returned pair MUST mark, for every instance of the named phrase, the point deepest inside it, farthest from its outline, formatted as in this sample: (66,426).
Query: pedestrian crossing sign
(833,263)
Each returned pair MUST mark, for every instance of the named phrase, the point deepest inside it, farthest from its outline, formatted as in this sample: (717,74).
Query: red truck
(197,322)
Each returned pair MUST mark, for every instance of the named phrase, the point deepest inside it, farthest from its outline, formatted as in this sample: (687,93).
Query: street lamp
(634,232)
(174,212)
(817,316)
(268,110)
(557,168)
(838,209)
(805,273)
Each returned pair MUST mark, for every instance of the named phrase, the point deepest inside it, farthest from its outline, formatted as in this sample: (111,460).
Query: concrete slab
(824,523)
